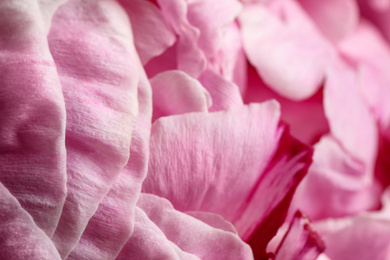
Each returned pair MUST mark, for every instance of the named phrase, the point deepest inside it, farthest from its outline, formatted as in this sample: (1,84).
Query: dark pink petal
(192,235)
(20,237)
(32,109)
(211,20)
(223,92)
(335,185)
(91,43)
(149,242)
(378,12)
(360,237)
(111,226)
(300,241)
(334,18)
(174,92)
(190,57)
(285,47)
(152,34)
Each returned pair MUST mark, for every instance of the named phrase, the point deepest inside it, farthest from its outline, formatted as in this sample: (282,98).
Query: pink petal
(91,43)
(152,34)
(230,60)
(335,185)
(20,237)
(211,20)
(355,238)
(32,132)
(228,175)
(300,241)
(362,48)
(306,118)
(190,58)
(378,12)
(224,93)
(149,242)
(346,115)
(334,18)
(111,226)
(294,70)
(192,235)
(174,92)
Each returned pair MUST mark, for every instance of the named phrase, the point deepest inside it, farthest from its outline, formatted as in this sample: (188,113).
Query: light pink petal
(334,18)
(174,92)
(346,115)
(355,238)
(211,17)
(111,226)
(32,109)
(192,235)
(335,185)
(230,60)
(300,242)
(284,46)
(149,242)
(224,162)
(223,92)
(152,34)
(306,118)
(190,57)
(91,43)
(363,48)
(20,237)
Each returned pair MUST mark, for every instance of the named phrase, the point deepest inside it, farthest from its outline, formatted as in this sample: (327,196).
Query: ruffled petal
(92,46)
(192,235)
(113,223)
(152,34)
(32,132)
(190,57)
(294,70)
(174,92)
(20,237)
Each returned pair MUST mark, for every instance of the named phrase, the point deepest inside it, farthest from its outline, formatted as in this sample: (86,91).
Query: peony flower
(194,129)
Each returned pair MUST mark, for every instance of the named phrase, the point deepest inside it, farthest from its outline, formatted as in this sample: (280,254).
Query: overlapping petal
(92,46)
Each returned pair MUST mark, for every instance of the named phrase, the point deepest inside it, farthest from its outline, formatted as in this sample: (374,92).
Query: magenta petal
(294,70)
(334,18)
(91,43)
(111,226)
(32,109)
(174,92)
(152,34)
(300,241)
(192,235)
(20,237)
